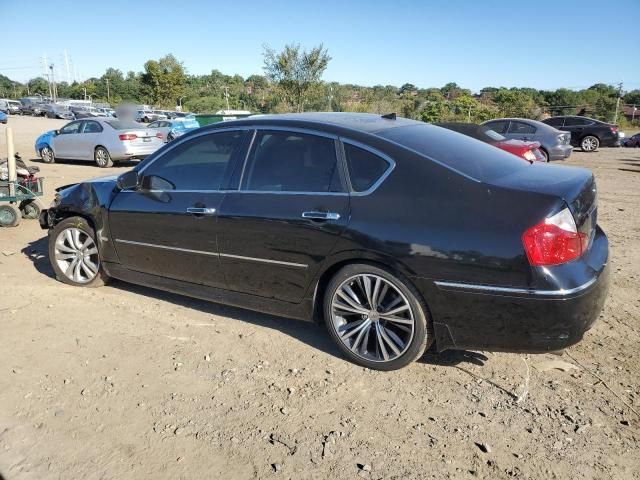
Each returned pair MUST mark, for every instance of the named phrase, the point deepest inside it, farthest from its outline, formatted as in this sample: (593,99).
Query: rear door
(168,227)
(291,207)
(498,126)
(66,142)
(89,138)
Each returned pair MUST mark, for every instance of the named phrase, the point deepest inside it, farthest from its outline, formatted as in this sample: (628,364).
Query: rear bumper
(130,151)
(560,152)
(508,319)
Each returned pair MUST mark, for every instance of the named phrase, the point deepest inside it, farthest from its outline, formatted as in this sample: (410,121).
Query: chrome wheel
(589,144)
(102,157)
(76,255)
(47,155)
(372,318)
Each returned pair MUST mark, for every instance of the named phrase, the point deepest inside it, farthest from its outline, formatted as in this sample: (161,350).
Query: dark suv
(587,133)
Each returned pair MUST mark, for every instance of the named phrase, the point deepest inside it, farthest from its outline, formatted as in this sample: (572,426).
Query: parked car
(147,116)
(172,129)
(58,111)
(107,112)
(398,234)
(529,151)
(633,141)
(587,133)
(554,144)
(33,109)
(102,139)
(87,112)
(10,106)
(3,117)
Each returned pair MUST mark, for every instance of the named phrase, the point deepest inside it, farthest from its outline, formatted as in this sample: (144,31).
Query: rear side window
(521,128)
(498,127)
(92,127)
(466,155)
(198,164)
(365,167)
(283,161)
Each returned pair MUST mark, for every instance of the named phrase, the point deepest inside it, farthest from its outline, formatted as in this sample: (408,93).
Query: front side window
(365,168)
(576,122)
(72,127)
(198,164)
(520,128)
(292,162)
(555,122)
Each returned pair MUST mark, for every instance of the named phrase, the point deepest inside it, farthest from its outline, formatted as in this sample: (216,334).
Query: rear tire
(357,306)
(47,155)
(545,155)
(10,215)
(102,157)
(74,255)
(589,143)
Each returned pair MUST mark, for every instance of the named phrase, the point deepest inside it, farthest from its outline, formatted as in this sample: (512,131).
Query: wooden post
(11,162)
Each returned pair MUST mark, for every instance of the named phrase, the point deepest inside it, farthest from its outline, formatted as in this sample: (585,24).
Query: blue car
(44,140)
(3,117)
(172,129)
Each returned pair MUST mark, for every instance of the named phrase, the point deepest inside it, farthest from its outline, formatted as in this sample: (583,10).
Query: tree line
(292,81)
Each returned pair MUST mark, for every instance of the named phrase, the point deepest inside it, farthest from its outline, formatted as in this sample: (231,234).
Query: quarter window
(198,164)
(365,168)
(292,162)
(520,128)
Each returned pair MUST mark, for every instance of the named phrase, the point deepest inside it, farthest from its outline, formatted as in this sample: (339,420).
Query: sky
(476,43)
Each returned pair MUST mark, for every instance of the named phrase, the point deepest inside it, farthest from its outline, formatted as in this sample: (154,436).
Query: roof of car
(537,123)
(363,122)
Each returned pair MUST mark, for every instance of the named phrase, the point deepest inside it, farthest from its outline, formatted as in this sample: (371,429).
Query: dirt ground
(126,382)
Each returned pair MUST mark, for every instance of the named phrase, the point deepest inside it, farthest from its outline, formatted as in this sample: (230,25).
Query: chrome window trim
(278,192)
(513,290)
(213,254)
(374,151)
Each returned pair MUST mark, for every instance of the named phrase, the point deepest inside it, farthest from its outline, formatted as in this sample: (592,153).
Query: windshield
(122,125)
(466,155)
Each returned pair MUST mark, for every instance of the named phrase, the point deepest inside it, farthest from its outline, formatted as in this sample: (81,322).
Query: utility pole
(53,83)
(66,62)
(615,118)
(226,96)
(46,73)
(85,92)
(108,93)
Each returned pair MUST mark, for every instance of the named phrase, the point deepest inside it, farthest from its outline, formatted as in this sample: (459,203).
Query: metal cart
(19,200)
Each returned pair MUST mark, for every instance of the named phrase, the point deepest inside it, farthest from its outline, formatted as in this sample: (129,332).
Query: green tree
(296,71)
(163,81)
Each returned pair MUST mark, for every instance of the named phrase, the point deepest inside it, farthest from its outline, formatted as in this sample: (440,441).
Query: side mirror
(57,132)
(128,180)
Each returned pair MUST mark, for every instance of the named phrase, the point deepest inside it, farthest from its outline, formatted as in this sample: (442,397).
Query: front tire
(10,215)
(74,255)
(47,155)
(376,318)
(589,143)
(102,157)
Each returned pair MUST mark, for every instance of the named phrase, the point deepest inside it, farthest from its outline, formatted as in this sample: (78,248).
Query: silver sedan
(101,139)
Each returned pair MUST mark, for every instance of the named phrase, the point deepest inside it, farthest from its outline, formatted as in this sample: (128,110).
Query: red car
(526,150)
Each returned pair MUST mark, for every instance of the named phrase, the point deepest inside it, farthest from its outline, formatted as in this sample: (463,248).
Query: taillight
(529,155)
(128,136)
(554,240)
(614,129)
(159,135)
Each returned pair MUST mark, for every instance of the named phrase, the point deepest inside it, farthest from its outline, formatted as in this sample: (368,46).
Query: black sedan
(587,133)
(397,234)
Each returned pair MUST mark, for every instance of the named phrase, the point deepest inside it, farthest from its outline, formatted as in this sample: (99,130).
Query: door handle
(321,215)
(201,211)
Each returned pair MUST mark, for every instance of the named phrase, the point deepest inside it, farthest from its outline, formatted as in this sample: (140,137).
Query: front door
(65,143)
(168,226)
(292,205)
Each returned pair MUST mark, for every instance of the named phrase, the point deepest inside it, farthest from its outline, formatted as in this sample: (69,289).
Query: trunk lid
(576,186)
(144,136)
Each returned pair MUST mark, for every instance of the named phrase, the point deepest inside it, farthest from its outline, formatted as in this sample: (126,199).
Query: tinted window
(475,159)
(576,122)
(292,162)
(365,168)
(521,128)
(554,122)
(72,127)
(92,127)
(498,127)
(198,164)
